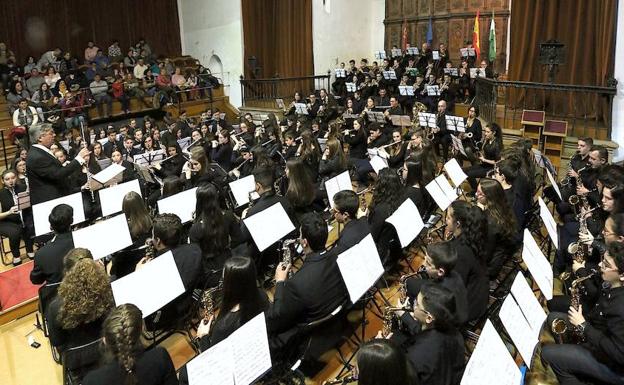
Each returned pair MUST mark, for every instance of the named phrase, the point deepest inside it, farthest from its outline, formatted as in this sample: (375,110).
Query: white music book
(340,72)
(360,267)
(378,163)
(455,123)
(396,52)
(406,90)
(336,184)
(407,221)
(111,198)
(184,143)
(301,108)
(241,188)
(412,51)
(42,210)
(491,362)
(549,222)
(433,90)
(108,173)
(530,306)
(518,329)
(451,71)
(471,52)
(435,55)
(389,75)
(427,119)
(554,183)
(455,172)
(351,87)
(239,359)
(442,192)
(182,204)
(538,264)
(463,52)
(458,145)
(149,158)
(380,55)
(151,287)
(477,73)
(269,226)
(105,237)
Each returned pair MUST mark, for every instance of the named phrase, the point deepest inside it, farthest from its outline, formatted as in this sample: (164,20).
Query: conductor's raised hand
(84,153)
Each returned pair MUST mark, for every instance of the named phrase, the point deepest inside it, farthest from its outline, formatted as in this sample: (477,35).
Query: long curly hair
(85,294)
(473,225)
(388,189)
(497,206)
(122,332)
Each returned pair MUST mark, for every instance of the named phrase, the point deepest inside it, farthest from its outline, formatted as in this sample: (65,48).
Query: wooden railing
(582,106)
(281,88)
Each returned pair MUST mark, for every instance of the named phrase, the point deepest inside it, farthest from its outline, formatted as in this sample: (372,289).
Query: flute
(391,144)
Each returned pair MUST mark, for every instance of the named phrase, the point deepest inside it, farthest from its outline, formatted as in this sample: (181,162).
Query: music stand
(396,52)
(435,55)
(374,116)
(412,51)
(389,75)
(406,90)
(301,109)
(340,73)
(351,87)
(380,55)
(433,90)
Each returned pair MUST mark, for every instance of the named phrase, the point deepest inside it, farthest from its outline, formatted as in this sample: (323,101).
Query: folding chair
(79,360)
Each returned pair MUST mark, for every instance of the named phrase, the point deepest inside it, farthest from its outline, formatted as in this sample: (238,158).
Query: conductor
(47,177)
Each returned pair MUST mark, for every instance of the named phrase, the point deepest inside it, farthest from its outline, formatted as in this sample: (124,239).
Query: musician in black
(600,358)
(333,161)
(441,135)
(490,153)
(380,361)
(473,135)
(13,221)
(346,205)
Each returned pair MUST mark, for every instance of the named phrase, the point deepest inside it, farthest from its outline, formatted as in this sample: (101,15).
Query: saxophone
(388,317)
(344,380)
(559,326)
(287,254)
(402,285)
(207,305)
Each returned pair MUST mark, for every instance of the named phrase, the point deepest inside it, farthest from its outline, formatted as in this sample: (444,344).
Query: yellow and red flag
(475,37)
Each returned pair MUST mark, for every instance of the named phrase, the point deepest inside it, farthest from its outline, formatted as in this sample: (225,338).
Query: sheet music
(435,55)
(518,329)
(455,172)
(41,211)
(396,52)
(530,306)
(463,52)
(214,366)
(182,204)
(104,163)
(380,55)
(490,362)
(433,90)
(301,108)
(471,52)
(269,225)
(412,51)
(241,188)
(336,184)
(340,72)
(351,87)
(407,221)
(151,287)
(438,195)
(111,198)
(108,173)
(360,267)
(378,163)
(64,144)
(554,184)
(280,103)
(93,237)
(406,90)
(458,145)
(23,200)
(538,265)
(250,351)
(549,222)
(184,143)
(103,141)
(445,186)
(389,75)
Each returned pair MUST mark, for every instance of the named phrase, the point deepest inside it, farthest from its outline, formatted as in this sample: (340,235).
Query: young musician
(600,359)
(128,361)
(333,162)
(301,192)
(397,150)
(346,205)
(222,150)
(83,300)
(15,224)
(489,154)
(379,361)
(473,127)
(412,174)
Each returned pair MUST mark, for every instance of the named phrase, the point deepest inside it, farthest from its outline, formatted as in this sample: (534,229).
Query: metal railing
(281,88)
(582,106)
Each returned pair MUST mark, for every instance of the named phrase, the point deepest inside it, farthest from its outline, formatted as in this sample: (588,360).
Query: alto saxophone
(403,279)
(559,326)
(207,306)
(287,254)
(388,316)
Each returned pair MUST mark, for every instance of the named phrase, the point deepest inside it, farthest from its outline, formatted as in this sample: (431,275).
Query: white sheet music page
(538,265)
(112,197)
(214,366)
(182,204)
(549,222)
(455,172)
(241,188)
(336,184)
(269,225)
(151,287)
(378,163)
(94,237)
(490,362)
(518,329)
(407,221)
(553,183)
(438,195)
(360,267)
(250,351)
(530,306)
(109,173)
(445,186)
(42,210)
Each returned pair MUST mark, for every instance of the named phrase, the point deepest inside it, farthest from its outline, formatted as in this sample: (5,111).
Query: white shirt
(139,71)
(44,148)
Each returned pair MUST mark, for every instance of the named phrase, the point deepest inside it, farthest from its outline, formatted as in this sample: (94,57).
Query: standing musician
(473,135)
(579,161)
(488,154)
(441,135)
(600,358)
(15,224)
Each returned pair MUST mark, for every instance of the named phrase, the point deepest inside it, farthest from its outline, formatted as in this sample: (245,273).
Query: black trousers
(15,232)
(575,365)
(477,171)
(445,141)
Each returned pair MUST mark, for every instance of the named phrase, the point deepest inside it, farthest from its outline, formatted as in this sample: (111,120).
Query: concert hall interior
(381,192)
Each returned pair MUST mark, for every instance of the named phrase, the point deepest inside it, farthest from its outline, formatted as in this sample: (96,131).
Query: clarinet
(89,179)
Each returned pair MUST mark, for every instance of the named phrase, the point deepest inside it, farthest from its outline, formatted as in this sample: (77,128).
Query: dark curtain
(587,28)
(32,27)
(278,33)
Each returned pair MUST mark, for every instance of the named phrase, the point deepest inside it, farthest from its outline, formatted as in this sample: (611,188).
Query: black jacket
(48,266)
(604,332)
(473,273)
(453,282)
(47,178)
(352,233)
(437,357)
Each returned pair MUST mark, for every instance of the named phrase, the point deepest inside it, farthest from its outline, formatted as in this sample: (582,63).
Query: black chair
(79,360)
(46,294)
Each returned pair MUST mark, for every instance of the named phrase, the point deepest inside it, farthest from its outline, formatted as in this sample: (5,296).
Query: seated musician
(313,292)
(290,145)
(48,265)
(430,336)
(439,266)
(301,191)
(380,361)
(579,161)
(333,161)
(377,136)
(346,205)
(489,154)
(505,173)
(397,150)
(600,358)
(310,152)
(356,139)
(128,173)
(412,174)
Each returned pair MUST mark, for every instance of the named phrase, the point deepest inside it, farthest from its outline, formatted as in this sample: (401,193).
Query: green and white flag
(492,53)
